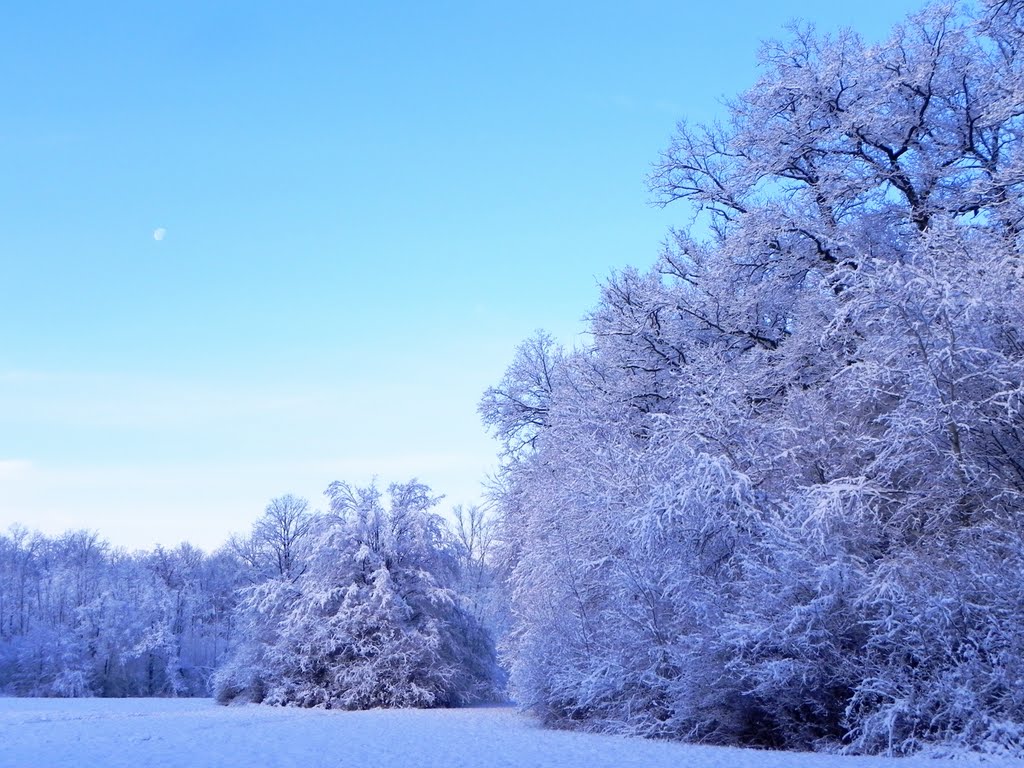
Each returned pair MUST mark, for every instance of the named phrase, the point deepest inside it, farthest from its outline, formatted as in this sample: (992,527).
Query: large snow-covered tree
(372,618)
(779,498)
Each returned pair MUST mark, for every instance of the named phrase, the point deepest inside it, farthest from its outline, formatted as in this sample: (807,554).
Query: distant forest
(775,499)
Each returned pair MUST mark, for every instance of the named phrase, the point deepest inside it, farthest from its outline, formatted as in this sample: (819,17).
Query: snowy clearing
(197,732)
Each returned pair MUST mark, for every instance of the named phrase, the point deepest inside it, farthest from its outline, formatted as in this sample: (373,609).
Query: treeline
(402,603)
(80,618)
(778,499)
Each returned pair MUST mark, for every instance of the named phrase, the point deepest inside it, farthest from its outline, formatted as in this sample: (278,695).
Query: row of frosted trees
(778,498)
(78,618)
(371,604)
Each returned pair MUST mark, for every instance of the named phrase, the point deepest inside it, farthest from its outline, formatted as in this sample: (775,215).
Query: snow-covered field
(150,733)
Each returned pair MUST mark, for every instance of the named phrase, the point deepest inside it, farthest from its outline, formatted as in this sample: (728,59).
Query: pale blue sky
(367,207)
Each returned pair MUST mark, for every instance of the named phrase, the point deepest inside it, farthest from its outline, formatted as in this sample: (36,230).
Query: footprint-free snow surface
(153,733)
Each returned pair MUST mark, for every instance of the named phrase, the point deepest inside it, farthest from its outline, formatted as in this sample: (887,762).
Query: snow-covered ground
(152,733)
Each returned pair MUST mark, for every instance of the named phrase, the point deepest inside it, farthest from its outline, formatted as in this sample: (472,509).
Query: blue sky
(367,206)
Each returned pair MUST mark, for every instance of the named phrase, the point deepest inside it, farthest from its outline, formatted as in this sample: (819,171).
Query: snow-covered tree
(276,543)
(480,585)
(372,619)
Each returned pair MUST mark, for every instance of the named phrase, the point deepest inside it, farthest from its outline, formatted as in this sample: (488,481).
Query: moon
(159,234)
